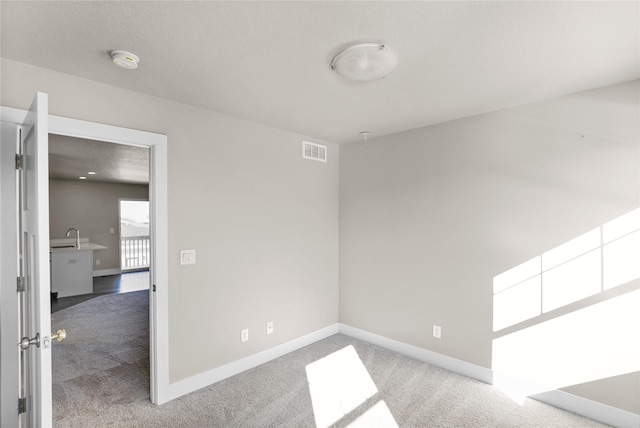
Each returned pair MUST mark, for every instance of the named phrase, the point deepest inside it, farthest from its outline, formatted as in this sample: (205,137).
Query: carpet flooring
(105,383)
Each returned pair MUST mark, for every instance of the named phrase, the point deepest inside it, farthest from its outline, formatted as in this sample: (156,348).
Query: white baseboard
(107,272)
(582,406)
(452,364)
(590,409)
(210,377)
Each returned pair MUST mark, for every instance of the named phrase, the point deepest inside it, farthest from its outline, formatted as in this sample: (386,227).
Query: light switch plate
(187,257)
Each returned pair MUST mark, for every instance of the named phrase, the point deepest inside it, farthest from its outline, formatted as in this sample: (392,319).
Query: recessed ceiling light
(91,173)
(124,59)
(82,178)
(364,62)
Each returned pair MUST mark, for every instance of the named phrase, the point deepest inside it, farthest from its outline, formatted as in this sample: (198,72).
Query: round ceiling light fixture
(124,59)
(364,62)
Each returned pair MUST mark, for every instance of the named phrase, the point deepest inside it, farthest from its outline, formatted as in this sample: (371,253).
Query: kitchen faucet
(77,236)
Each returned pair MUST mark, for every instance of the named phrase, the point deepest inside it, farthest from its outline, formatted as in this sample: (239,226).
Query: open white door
(36,361)
(34,249)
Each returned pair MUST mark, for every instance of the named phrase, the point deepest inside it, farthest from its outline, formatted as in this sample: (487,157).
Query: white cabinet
(72,272)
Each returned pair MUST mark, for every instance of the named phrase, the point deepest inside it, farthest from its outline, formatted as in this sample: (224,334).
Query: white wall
(264,222)
(428,217)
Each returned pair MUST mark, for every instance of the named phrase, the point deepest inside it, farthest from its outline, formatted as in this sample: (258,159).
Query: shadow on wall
(571,315)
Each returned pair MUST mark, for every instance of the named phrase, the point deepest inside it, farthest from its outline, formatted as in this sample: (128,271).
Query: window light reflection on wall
(595,342)
(598,260)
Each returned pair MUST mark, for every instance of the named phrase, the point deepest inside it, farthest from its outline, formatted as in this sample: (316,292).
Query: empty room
(356,214)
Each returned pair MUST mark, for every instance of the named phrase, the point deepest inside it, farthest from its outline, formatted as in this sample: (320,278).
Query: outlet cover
(270,327)
(244,335)
(437,331)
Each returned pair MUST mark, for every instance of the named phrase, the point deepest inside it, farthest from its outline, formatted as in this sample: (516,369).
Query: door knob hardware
(25,342)
(59,335)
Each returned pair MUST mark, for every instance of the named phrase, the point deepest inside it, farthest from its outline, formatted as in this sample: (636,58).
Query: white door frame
(159,300)
(9,322)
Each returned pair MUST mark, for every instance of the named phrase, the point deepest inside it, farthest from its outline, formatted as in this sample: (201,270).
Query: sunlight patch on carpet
(339,383)
(378,416)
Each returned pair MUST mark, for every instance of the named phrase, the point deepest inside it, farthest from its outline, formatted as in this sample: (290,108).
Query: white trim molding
(452,364)
(12,115)
(590,409)
(210,377)
(563,400)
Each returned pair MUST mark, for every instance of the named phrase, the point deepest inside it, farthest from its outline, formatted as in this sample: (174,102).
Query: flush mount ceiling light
(124,59)
(364,62)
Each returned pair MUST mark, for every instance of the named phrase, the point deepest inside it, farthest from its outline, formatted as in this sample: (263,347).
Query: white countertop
(67,244)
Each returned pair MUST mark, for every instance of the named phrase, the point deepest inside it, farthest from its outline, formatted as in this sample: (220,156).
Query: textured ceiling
(70,158)
(269,61)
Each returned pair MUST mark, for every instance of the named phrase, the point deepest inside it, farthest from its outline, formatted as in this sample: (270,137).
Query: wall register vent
(314,151)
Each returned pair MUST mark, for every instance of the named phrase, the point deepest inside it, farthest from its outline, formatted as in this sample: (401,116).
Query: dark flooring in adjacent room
(112,284)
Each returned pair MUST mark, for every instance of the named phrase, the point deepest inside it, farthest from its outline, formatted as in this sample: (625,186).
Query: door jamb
(9,354)
(159,294)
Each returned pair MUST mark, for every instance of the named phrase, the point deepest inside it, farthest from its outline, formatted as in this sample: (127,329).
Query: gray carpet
(104,361)
(105,382)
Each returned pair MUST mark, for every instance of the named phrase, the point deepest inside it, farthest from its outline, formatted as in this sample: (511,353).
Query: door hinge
(154,287)
(20,282)
(22,405)
(19,161)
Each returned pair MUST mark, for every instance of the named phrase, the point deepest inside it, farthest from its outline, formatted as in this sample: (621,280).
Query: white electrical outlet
(245,335)
(187,257)
(97,262)
(437,331)
(112,230)
(270,327)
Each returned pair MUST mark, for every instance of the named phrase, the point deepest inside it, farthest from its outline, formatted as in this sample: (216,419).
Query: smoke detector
(124,59)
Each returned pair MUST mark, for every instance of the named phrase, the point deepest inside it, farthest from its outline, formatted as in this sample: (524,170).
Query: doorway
(92,186)
(158,301)
(157,194)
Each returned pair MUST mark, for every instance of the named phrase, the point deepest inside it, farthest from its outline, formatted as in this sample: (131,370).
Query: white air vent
(314,151)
